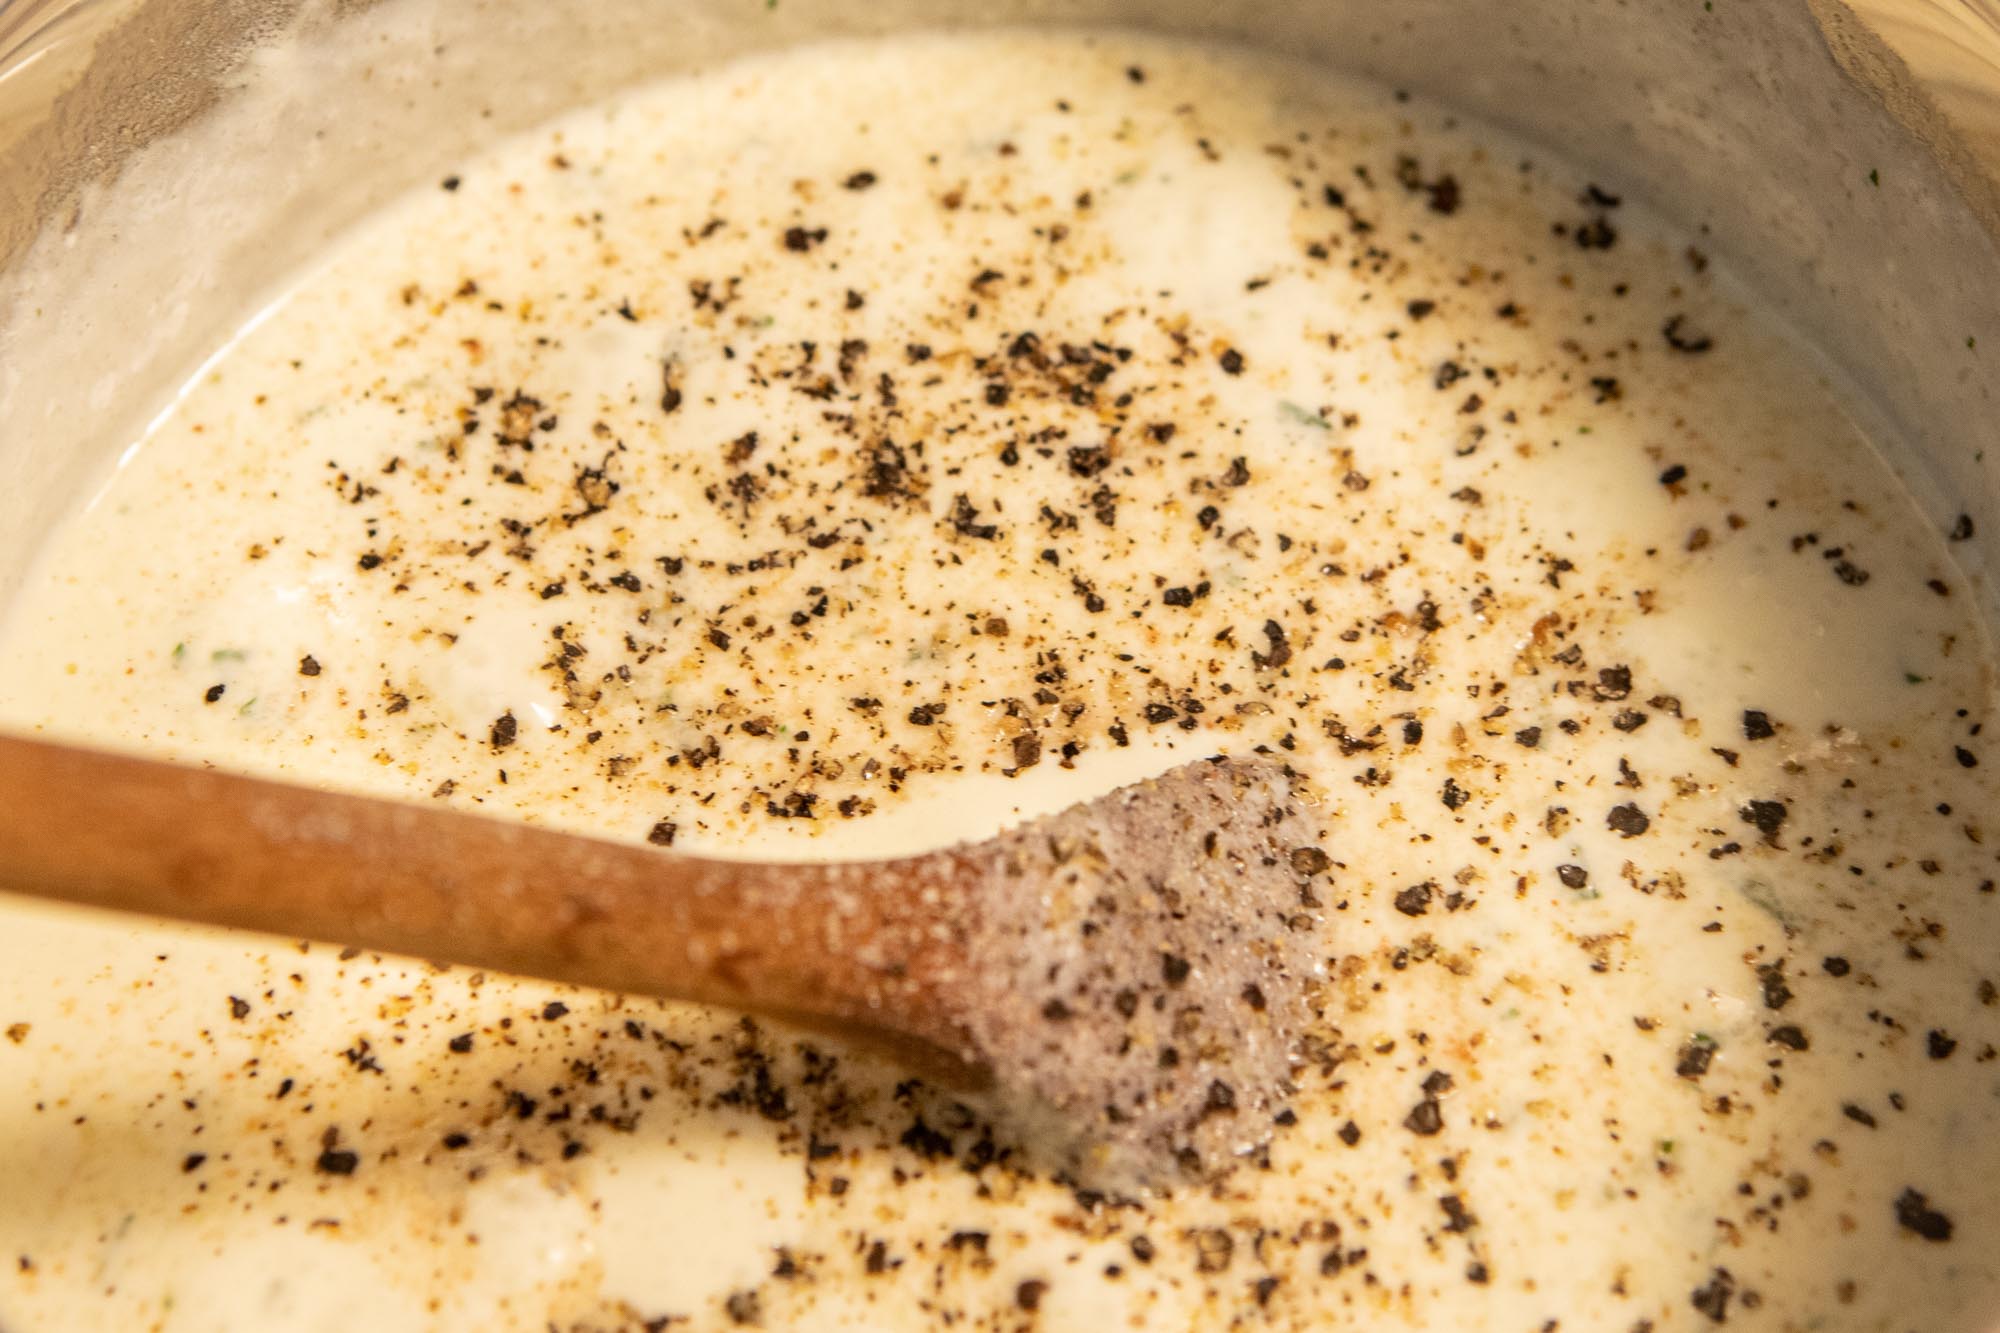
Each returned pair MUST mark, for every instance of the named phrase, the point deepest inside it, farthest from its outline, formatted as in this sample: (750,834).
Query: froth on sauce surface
(856,448)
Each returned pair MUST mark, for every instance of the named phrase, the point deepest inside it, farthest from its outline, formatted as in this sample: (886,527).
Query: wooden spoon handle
(839,947)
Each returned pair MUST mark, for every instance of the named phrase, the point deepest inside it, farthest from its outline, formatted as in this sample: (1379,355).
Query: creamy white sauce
(1462,509)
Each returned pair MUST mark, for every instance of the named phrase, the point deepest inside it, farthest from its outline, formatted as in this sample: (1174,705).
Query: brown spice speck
(1914,1213)
(1628,820)
(337,1162)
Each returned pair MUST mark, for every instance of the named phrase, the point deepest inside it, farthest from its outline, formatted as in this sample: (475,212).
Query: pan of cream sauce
(854,449)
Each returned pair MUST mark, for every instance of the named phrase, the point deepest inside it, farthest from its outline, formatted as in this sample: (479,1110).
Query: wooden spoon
(1132,973)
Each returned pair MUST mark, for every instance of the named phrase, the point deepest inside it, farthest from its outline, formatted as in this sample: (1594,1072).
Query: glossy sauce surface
(855,449)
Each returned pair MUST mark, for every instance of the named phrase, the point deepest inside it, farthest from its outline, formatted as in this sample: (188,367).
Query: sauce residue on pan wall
(858,448)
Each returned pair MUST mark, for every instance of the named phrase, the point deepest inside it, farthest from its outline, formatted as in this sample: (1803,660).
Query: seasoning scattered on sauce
(1060,406)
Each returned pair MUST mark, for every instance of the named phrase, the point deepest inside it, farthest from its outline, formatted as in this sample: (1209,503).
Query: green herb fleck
(1761,896)
(1304,416)
(1875,178)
